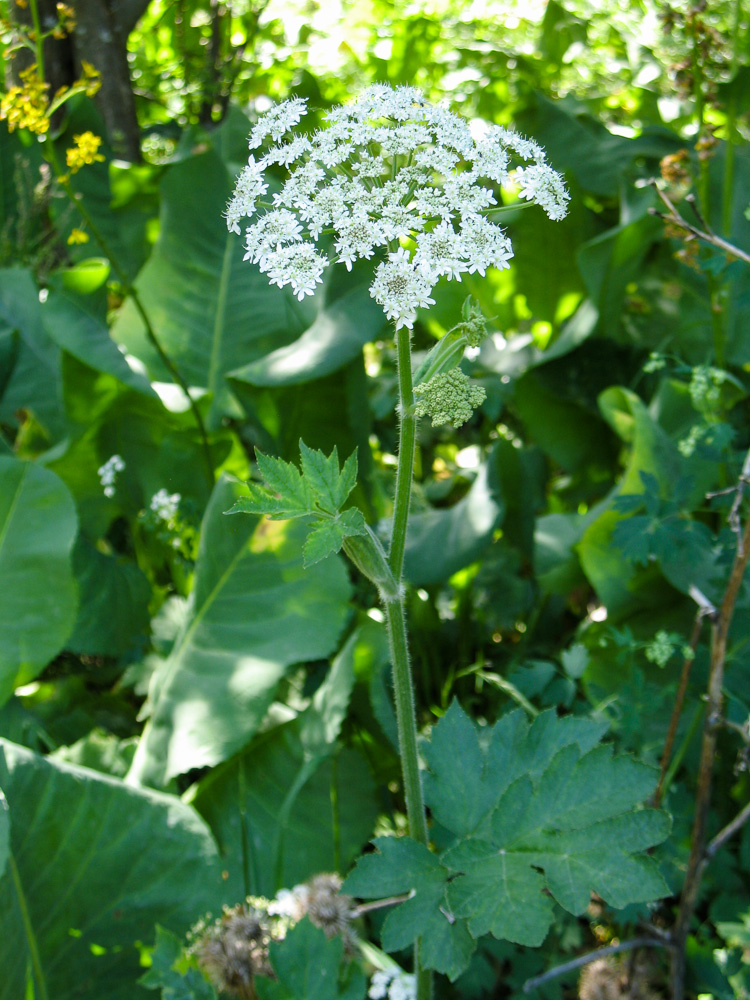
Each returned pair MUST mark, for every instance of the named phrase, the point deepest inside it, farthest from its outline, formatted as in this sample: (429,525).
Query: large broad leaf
(4,832)
(541,811)
(33,381)
(254,611)
(440,542)
(93,866)
(77,323)
(213,311)
(292,804)
(38,526)
(348,319)
(113,602)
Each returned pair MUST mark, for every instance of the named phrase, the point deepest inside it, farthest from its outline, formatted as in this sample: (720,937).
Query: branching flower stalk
(28,106)
(394,178)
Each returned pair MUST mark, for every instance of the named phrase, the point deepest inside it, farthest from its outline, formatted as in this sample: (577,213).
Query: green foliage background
(188,715)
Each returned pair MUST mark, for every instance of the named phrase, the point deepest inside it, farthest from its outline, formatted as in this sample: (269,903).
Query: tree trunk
(100,38)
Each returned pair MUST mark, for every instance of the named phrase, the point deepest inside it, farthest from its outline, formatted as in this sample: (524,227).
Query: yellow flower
(85,151)
(77,236)
(91,79)
(25,105)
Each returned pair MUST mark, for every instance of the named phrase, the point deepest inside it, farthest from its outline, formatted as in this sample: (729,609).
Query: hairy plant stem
(396,622)
(75,199)
(406,444)
(712,724)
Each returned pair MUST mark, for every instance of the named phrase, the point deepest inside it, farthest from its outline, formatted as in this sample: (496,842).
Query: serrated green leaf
(575,660)
(574,827)
(263,501)
(464,782)
(499,893)
(325,538)
(539,807)
(404,866)
(321,473)
(284,479)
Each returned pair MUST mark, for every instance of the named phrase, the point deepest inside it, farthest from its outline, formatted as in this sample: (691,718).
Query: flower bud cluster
(448,397)
(387,169)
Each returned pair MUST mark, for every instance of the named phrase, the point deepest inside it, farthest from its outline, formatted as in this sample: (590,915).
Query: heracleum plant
(393,177)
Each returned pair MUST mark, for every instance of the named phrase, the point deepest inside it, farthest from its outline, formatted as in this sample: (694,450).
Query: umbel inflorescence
(388,172)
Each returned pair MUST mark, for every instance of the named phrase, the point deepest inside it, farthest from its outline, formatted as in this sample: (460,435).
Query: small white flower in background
(108,474)
(395,984)
(291,903)
(387,168)
(165,505)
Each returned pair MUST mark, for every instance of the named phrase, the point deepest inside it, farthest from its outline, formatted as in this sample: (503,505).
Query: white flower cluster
(387,169)
(395,984)
(165,505)
(108,474)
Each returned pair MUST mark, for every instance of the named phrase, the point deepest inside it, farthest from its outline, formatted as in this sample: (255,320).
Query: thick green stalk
(406,718)
(406,444)
(396,622)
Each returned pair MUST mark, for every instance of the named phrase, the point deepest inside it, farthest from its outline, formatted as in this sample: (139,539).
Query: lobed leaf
(404,866)
(330,486)
(284,479)
(539,812)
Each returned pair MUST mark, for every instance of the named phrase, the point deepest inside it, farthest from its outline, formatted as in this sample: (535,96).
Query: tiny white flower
(249,188)
(299,265)
(108,474)
(541,184)
(279,120)
(165,505)
(401,289)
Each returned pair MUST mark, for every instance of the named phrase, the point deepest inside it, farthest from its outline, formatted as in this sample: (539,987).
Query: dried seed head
(610,979)
(327,908)
(599,981)
(234,950)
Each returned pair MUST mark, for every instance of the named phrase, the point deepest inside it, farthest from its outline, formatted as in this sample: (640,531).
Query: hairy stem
(406,444)
(406,719)
(396,622)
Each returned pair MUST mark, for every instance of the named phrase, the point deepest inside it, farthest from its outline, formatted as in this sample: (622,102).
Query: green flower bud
(474,325)
(367,554)
(448,397)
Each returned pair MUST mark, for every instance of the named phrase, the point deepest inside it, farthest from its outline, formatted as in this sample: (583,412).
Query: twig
(592,956)
(711,725)
(729,831)
(678,703)
(707,235)
(379,904)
